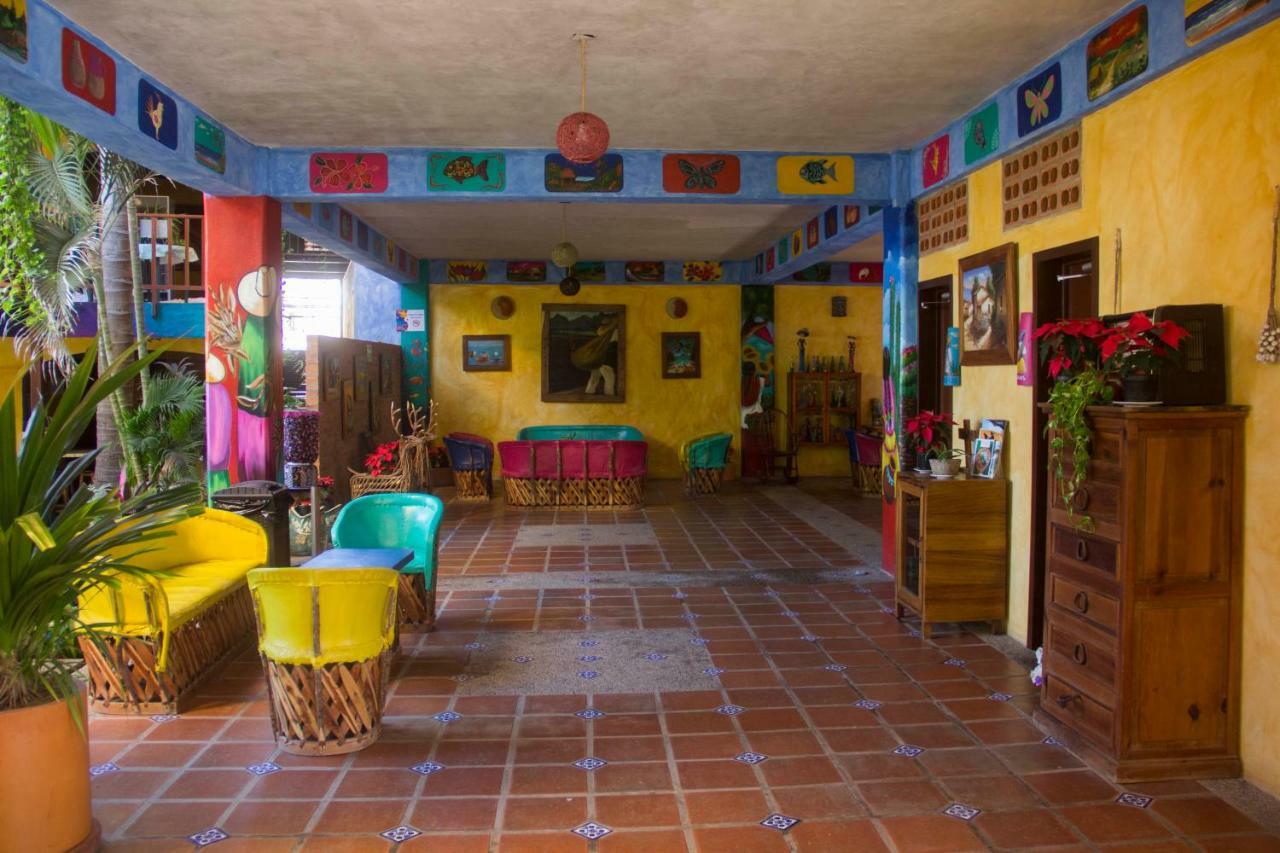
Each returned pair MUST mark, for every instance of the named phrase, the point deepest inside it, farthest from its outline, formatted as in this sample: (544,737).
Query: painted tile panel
(711,174)
(815,174)
(348,172)
(466,171)
(599,176)
(157,114)
(88,72)
(1039,101)
(210,145)
(1118,53)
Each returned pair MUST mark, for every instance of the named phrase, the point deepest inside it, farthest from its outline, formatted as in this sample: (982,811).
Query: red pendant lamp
(582,137)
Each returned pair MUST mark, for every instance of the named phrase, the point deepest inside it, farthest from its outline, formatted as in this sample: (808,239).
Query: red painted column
(243,355)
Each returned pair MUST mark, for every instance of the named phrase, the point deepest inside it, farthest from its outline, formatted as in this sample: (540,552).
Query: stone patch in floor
(545,535)
(625,661)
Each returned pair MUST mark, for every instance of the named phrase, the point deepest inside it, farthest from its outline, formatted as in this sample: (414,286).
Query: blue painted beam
(327,225)
(829,243)
(37,83)
(1167,50)
(495,272)
(525,178)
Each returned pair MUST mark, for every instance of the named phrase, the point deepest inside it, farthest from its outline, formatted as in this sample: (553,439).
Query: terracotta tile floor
(821,723)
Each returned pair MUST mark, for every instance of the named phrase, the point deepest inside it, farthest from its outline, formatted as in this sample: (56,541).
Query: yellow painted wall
(666,411)
(1185,167)
(795,308)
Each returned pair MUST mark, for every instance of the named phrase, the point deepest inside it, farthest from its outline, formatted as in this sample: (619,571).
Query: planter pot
(44,780)
(300,529)
(944,467)
(1140,388)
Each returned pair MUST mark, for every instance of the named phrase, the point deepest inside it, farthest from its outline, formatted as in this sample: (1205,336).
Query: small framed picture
(386,374)
(348,408)
(681,355)
(989,306)
(332,376)
(486,352)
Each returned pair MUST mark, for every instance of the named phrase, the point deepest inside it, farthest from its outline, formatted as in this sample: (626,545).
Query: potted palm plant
(56,540)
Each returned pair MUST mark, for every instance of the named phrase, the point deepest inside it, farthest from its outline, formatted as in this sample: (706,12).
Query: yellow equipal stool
(327,637)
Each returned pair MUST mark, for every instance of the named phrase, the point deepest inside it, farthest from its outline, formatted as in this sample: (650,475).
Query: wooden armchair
(770,447)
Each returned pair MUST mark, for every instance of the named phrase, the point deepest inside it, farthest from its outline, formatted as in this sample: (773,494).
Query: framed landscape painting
(486,352)
(681,355)
(988,306)
(583,353)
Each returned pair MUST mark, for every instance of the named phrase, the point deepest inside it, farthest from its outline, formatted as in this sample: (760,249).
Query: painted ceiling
(600,230)
(862,75)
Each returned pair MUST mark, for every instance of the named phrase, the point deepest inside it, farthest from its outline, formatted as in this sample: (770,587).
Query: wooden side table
(952,540)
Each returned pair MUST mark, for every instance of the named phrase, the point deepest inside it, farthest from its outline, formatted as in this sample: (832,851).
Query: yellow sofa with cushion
(165,630)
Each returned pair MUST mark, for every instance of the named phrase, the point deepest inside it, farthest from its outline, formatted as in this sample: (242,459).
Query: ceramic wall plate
(677,308)
(503,307)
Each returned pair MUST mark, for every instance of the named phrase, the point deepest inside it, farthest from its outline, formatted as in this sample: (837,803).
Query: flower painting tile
(466,272)
(88,72)
(1118,53)
(1039,100)
(706,174)
(466,172)
(936,162)
(210,145)
(599,176)
(348,172)
(157,114)
(703,272)
(815,174)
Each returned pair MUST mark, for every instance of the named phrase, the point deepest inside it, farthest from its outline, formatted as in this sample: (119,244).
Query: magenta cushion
(599,460)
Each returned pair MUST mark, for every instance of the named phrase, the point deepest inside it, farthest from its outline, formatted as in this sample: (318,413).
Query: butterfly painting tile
(708,174)
(1039,101)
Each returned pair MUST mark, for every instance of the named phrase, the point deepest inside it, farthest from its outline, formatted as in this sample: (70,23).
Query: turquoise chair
(399,520)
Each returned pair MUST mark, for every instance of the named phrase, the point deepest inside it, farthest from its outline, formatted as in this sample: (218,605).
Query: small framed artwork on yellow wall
(486,353)
(989,306)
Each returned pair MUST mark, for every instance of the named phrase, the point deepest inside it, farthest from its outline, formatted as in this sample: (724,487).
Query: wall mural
(13,28)
(157,114)
(599,176)
(898,352)
(584,353)
(466,172)
(716,174)
(88,72)
(1118,53)
(982,133)
(210,145)
(1206,17)
(936,162)
(1039,101)
(644,271)
(348,172)
(415,361)
(759,383)
(815,174)
(242,335)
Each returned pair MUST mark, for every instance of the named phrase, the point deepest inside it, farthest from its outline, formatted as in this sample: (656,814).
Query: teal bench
(580,432)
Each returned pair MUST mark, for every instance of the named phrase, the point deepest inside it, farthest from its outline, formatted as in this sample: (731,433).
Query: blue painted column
(899,351)
(414,323)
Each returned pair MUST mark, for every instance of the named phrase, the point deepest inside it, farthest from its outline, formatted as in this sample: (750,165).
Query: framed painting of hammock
(583,353)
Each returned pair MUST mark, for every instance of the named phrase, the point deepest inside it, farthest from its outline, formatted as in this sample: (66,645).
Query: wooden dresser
(953,550)
(1142,613)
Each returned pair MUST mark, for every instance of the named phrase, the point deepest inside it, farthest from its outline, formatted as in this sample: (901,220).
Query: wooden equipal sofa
(165,632)
(704,459)
(584,466)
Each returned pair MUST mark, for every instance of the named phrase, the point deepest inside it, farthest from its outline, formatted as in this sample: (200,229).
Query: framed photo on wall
(386,374)
(989,306)
(486,352)
(332,376)
(681,355)
(348,408)
(584,353)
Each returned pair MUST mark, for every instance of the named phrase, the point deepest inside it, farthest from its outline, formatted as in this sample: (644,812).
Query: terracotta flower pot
(44,780)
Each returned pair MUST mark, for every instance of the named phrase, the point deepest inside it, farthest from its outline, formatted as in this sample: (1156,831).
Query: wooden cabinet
(823,405)
(1142,611)
(953,550)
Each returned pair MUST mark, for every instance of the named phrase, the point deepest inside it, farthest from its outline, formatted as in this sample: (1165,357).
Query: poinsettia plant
(929,432)
(1071,346)
(1138,345)
(382,458)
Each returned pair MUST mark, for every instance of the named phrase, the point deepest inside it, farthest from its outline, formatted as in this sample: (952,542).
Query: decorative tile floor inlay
(779,822)
(1138,801)
(99,769)
(1000,697)
(730,710)
(401,833)
(591,830)
(263,768)
(961,811)
(205,837)
(590,714)
(426,768)
(446,716)
(867,704)
(751,758)
(908,750)
(549,535)
(590,763)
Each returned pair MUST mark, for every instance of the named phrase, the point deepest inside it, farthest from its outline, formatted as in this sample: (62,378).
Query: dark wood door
(933,319)
(1065,287)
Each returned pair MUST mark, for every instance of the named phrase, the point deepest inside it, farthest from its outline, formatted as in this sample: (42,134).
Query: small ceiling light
(582,137)
(564,254)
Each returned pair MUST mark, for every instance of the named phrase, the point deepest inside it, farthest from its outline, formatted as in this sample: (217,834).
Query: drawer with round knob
(1083,654)
(1085,601)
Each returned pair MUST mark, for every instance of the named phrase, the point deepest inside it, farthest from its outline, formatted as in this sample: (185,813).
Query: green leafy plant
(166,432)
(20,257)
(59,539)
(1069,433)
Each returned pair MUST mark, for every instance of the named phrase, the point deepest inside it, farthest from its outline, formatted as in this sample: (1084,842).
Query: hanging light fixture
(582,137)
(564,254)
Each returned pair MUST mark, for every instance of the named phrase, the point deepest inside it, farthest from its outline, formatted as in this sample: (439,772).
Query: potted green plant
(1135,349)
(1072,350)
(928,435)
(56,541)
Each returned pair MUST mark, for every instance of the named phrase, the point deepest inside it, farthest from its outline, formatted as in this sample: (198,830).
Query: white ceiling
(601,231)
(859,75)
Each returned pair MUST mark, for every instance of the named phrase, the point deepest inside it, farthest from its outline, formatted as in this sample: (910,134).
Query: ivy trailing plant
(1069,433)
(21,260)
